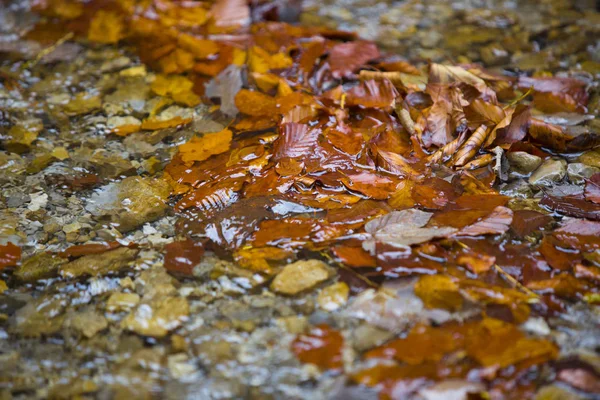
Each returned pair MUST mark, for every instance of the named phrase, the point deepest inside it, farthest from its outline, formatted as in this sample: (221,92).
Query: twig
(48,50)
(516,282)
(507,276)
(518,99)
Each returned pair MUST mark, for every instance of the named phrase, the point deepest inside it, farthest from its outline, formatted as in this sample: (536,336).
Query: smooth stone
(99,264)
(523,162)
(550,172)
(579,172)
(300,276)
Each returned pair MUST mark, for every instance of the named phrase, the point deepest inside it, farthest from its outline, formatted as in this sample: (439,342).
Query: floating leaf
(182,256)
(321,346)
(201,148)
(9,255)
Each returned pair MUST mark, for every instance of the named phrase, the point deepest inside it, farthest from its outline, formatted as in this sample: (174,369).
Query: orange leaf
(321,346)
(255,104)
(9,255)
(201,148)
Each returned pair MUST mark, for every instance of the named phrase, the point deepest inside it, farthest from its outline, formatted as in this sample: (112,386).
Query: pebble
(88,323)
(99,264)
(157,317)
(590,158)
(523,162)
(300,276)
(122,301)
(579,172)
(39,266)
(333,296)
(551,171)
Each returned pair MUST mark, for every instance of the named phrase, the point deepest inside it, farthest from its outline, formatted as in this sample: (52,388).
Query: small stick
(48,50)
(516,282)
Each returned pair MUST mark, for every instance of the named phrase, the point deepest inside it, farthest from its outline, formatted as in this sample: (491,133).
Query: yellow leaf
(201,148)
(106,27)
(439,291)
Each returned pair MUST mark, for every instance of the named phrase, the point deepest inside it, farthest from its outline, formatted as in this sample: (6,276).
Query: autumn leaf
(346,58)
(231,13)
(106,27)
(182,256)
(403,228)
(439,291)
(496,223)
(592,189)
(9,255)
(201,148)
(321,346)
(255,104)
(554,94)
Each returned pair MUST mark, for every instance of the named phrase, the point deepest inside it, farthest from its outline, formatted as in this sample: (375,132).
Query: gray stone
(523,162)
(578,172)
(550,172)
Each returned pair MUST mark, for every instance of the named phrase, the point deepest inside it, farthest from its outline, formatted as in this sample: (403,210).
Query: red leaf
(373,94)
(321,346)
(592,189)
(573,206)
(9,255)
(346,58)
(90,248)
(295,140)
(182,256)
(497,222)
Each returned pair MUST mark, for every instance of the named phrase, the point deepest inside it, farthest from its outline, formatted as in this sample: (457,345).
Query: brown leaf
(9,255)
(471,146)
(182,256)
(496,223)
(346,58)
(201,148)
(231,13)
(526,222)
(321,346)
(375,94)
(295,141)
(573,206)
(556,94)
(559,139)
(592,189)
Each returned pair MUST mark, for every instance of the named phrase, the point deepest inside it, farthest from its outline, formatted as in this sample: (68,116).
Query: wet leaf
(403,228)
(346,58)
(592,189)
(9,255)
(182,256)
(201,148)
(321,346)
(439,291)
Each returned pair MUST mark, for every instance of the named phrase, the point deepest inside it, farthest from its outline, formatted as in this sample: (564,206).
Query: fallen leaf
(346,58)
(182,256)
(321,346)
(201,148)
(9,255)
(403,228)
(592,189)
